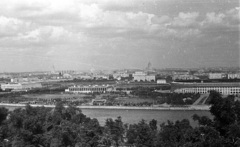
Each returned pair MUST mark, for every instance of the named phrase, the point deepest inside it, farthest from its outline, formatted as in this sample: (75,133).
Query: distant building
(19,86)
(149,66)
(99,102)
(215,75)
(161,81)
(29,86)
(120,75)
(22,80)
(150,78)
(139,76)
(84,77)
(67,76)
(234,76)
(5,76)
(184,77)
(89,89)
(223,88)
(11,86)
(101,77)
(181,73)
(142,76)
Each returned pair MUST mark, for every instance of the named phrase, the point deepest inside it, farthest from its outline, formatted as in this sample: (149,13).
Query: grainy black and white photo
(119,73)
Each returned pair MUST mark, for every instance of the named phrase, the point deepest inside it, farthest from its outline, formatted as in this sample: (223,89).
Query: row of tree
(69,127)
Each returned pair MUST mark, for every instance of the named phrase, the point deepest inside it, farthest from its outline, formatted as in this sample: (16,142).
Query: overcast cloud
(111,34)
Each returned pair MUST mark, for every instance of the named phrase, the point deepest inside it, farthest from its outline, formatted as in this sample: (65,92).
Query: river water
(134,116)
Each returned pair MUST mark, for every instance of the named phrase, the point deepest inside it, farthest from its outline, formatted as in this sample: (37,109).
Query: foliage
(67,126)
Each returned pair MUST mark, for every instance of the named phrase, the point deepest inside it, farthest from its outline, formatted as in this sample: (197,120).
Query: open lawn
(134,99)
(56,96)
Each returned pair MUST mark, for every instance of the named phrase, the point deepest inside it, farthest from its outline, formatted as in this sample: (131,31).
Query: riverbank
(191,107)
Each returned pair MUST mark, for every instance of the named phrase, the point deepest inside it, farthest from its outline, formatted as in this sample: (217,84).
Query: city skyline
(36,35)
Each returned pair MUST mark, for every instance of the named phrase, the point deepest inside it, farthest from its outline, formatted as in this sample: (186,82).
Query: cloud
(234,13)
(12,26)
(161,19)
(214,18)
(185,19)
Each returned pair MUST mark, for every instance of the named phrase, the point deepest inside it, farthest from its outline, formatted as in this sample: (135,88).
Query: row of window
(224,90)
(87,89)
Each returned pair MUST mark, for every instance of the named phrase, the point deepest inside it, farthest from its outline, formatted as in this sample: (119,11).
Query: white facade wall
(15,86)
(117,75)
(150,78)
(234,76)
(88,89)
(184,77)
(222,90)
(161,81)
(215,75)
(141,76)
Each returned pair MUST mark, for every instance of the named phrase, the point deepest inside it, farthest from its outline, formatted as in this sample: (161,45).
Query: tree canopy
(67,126)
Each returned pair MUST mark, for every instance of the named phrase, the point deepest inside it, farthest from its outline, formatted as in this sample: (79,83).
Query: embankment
(191,107)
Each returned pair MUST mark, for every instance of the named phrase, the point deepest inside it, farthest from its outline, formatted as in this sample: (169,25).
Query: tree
(141,134)
(3,114)
(116,130)
(174,134)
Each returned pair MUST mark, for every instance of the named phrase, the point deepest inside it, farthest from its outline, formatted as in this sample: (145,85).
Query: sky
(37,35)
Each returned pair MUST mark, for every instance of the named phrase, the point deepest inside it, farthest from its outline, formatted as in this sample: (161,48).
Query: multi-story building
(120,74)
(28,86)
(184,77)
(19,86)
(150,77)
(161,81)
(11,86)
(22,80)
(141,76)
(215,75)
(101,77)
(90,89)
(234,76)
(223,88)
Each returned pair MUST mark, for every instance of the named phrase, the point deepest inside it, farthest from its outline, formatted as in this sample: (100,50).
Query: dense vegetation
(69,127)
(139,92)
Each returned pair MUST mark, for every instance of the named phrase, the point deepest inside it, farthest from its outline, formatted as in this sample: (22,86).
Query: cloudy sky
(111,34)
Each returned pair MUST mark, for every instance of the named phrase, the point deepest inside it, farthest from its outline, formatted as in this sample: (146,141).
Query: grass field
(55,96)
(134,100)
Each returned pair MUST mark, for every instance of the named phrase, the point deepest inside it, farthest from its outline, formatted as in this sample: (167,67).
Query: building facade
(223,88)
(234,76)
(184,77)
(161,81)
(89,89)
(141,76)
(215,75)
(19,86)
(11,86)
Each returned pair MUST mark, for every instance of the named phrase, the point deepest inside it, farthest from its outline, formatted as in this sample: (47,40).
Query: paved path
(203,96)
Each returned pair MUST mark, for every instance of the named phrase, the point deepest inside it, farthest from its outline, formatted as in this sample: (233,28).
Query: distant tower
(92,70)
(149,67)
(53,69)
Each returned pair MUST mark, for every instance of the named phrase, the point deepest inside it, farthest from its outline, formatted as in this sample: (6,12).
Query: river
(134,116)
